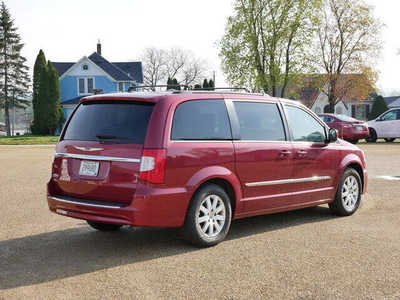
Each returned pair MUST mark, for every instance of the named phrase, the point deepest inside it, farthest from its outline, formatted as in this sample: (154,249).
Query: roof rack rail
(220,88)
(174,88)
(152,87)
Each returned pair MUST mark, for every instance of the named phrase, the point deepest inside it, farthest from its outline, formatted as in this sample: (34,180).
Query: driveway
(304,254)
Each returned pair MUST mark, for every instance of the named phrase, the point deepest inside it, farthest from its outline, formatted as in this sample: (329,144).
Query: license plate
(89,168)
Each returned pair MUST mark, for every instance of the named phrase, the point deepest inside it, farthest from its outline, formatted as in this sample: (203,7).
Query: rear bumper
(88,210)
(151,207)
(355,134)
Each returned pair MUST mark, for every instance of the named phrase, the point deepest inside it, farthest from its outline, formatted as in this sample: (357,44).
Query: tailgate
(98,157)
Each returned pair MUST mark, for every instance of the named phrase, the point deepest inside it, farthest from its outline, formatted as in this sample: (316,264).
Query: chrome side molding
(285,181)
(97,157)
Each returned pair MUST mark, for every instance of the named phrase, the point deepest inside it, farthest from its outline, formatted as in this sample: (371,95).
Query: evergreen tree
(54,110)
(197,86)
(176,84)
(39,93)
(211,84)
(13,71)
(169,82)
(378,108)
(205,84)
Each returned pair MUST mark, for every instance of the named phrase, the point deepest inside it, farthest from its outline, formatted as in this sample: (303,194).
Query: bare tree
(348,43)
(154,66)
(176,60)
(181,64)
(193,71)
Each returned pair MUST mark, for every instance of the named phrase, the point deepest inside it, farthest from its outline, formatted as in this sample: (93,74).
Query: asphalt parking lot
(304,254)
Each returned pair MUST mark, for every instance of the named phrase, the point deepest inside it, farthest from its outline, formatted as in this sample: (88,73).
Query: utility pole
(215,85)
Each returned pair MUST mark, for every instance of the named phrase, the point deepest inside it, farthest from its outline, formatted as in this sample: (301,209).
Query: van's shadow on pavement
(60,254)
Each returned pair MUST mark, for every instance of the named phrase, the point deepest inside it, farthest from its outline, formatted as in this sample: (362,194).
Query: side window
(304,127)
(259,121)
(391,115)
(398,114)
(201,120)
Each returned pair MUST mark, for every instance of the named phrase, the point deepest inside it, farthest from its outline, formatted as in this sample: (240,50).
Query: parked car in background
(198,160)
(348,128)
(386,126)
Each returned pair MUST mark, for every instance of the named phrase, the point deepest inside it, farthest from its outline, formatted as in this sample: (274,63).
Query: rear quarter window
(114,121)
(201,120)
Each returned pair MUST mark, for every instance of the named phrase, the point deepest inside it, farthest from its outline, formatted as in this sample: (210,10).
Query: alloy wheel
(211,216)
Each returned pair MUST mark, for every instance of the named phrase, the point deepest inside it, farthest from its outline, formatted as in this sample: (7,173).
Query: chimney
(98,47)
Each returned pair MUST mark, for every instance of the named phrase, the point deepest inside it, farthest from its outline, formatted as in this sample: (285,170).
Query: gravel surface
(304,254)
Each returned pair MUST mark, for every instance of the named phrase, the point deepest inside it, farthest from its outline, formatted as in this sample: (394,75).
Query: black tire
(104,226)
(338,206)
(390,140)
(193,231)
(372,136)
(355,141)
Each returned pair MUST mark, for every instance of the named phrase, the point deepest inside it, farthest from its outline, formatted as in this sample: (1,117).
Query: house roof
(62,67)
(390,100)
(121,71)
(133,69)
(394,103)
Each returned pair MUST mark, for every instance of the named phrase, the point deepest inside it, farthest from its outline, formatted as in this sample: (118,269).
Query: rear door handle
(284,153)
(301,153)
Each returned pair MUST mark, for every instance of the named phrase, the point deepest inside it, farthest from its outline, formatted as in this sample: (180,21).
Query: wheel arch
(222,177)
(352,161)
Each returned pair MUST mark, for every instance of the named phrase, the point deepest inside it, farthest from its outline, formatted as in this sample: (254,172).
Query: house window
(120,86)
(90,85)
(85,85)
(85,67)
(81,85)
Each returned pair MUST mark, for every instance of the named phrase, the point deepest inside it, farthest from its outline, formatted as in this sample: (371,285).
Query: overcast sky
(68,30)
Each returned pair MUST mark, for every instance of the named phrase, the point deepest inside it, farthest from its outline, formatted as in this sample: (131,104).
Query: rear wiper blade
(110,137)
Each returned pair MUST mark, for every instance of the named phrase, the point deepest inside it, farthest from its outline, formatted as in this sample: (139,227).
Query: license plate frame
(89,168)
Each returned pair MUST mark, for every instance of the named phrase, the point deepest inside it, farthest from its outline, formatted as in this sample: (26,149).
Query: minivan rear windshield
(110,121)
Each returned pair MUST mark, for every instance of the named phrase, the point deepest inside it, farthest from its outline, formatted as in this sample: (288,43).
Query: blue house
(94,74)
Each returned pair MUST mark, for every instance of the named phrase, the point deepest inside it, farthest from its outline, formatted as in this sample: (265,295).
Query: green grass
(28,140)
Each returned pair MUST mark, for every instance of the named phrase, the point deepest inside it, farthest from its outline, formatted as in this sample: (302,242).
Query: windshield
(116,121)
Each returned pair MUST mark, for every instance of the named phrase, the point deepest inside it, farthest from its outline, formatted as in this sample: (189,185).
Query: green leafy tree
(266,41)
(348,41)
(13,70)
(378,108)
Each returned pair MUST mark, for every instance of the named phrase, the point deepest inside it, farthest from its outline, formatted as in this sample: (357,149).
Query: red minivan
(197,160)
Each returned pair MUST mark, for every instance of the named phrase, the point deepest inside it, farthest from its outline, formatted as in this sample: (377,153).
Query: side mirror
(332,135)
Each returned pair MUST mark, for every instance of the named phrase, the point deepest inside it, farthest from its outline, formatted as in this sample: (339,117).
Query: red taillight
(152,165)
